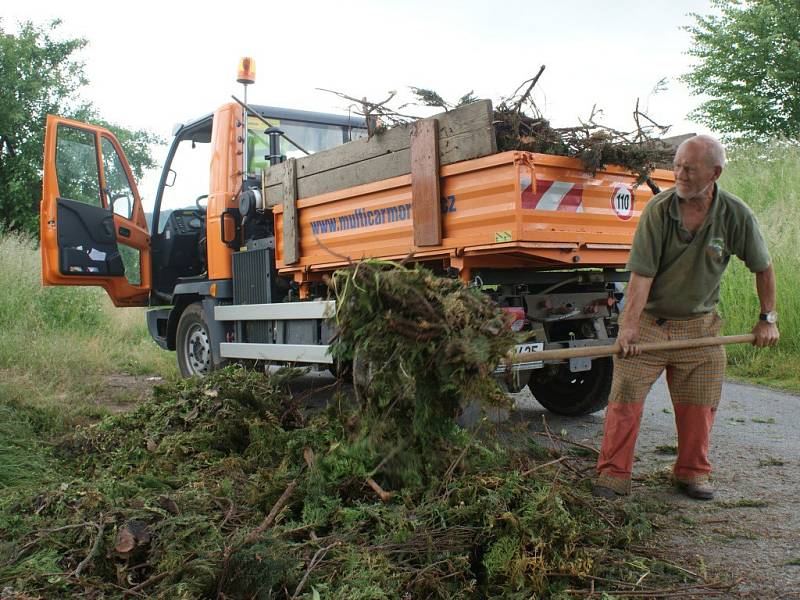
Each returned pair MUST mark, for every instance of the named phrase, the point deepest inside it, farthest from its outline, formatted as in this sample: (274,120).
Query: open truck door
(93,228)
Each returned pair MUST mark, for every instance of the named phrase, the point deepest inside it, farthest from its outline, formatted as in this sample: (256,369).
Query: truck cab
(197,173)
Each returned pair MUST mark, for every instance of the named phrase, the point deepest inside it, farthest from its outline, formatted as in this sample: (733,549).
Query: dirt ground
(750,532)
(124,391)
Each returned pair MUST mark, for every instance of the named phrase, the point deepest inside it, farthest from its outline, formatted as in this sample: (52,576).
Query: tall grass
(59,344)
(767,177)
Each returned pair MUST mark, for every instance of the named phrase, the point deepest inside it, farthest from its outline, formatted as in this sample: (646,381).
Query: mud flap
(216,329)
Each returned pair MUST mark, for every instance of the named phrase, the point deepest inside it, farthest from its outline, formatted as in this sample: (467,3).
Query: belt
(660,321)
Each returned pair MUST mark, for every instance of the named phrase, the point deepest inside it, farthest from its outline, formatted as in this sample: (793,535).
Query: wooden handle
(613,349)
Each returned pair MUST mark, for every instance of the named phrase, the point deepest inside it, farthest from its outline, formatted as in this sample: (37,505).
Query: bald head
(709,147)
(698,164)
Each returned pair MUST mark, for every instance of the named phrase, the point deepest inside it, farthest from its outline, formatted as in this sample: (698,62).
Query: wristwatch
(769,317)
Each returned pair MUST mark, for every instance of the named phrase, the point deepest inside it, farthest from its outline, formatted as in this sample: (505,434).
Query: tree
(749,64)
(39,75)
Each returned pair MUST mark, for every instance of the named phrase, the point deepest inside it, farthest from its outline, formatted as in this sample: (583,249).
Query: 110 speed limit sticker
(622,202)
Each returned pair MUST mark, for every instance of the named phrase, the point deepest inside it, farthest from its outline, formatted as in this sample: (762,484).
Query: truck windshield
(313,137)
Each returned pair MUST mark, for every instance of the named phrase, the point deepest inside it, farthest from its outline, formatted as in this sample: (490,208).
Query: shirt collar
(716,206)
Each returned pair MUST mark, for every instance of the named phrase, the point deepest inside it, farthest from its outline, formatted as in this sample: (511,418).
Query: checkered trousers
(694,375)
(694,378)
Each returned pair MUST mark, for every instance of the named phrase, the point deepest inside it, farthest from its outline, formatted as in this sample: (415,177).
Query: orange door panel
(93,228)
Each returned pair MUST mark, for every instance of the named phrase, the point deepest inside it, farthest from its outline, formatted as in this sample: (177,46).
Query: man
(682,245)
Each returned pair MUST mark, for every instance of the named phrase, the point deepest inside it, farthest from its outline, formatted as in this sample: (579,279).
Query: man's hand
(627,338)
(767,334)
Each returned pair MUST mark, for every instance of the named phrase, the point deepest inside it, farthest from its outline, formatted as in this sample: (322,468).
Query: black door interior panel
(87,244)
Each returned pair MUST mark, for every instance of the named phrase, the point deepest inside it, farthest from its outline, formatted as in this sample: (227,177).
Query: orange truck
(256,204)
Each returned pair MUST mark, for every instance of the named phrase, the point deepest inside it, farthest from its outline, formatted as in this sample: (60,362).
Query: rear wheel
(575,394)
(193,343)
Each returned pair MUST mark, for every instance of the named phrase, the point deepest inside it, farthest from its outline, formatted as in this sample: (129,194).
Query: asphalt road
(755,451)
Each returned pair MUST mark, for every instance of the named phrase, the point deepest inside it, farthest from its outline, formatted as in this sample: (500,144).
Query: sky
(153,64)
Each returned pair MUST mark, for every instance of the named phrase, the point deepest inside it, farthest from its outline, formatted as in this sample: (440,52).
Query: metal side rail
(282,311)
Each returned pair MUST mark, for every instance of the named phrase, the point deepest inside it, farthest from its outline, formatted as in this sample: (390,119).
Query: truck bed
(509,210)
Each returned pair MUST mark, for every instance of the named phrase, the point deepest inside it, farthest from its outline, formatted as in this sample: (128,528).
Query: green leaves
(748,62)
(40,75)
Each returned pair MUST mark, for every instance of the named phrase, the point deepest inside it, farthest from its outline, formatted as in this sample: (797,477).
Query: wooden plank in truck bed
(425,196)
(289,190)
(464,133)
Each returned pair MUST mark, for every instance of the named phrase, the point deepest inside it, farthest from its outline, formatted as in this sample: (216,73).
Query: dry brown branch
(101,527)
(591,141)
(542,466)
(695,591)
(43,533)
(564,440)
(375,110)
(253,535)
(382,494)
(315,560)
(147,583)
(534,80)
(228,513)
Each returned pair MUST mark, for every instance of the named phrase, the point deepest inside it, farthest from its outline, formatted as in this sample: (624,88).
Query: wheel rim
(198,350)
(566,383)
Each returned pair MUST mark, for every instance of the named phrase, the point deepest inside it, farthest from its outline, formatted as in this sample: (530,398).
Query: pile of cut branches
(227,487)
(417,343)
(519,125)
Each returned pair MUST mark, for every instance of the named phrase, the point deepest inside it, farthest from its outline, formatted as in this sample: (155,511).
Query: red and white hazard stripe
(552,195)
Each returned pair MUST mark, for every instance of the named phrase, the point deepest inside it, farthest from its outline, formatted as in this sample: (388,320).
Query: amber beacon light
(247,71)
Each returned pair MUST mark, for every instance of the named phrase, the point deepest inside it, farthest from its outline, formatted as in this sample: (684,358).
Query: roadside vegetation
(767,177)
(62,346)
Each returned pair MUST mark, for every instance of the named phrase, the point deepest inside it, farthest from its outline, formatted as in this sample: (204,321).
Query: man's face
(694,175)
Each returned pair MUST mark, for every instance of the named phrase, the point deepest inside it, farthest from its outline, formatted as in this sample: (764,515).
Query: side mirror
(170,180)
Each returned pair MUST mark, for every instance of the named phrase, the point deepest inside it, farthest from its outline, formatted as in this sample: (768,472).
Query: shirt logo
(716,249)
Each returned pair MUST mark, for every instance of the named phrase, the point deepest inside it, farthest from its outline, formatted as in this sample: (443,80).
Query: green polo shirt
(687,270)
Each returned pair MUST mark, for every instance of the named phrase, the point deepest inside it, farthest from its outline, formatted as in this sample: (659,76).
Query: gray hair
(715,152)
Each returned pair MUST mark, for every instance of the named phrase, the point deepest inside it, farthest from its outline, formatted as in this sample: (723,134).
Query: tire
(193,343)
(342,370)
(575,394)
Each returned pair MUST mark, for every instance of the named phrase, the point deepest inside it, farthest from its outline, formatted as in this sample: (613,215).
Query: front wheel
(193,343)
(575,394)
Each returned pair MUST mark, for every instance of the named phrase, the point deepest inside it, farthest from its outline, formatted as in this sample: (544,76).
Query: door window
(118,188)
(192,167)
(132,261)
(76,165)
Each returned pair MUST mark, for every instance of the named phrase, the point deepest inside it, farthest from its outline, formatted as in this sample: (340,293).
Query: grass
(59,344)
(767,177)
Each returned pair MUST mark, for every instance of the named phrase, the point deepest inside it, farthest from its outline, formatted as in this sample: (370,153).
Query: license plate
(525,349)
